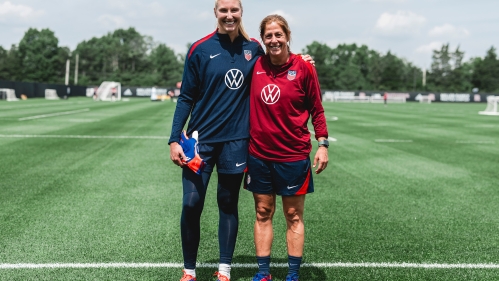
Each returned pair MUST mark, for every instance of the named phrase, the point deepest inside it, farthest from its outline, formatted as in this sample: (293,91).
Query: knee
(192,202)
(293,216)
(264,213)
(227,203)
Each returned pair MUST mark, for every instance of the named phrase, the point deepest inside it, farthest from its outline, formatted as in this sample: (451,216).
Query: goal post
(491,106)
(10,94)
(51,94)
(109,91)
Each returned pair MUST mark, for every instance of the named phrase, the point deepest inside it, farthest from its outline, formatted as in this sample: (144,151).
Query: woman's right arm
(188,93)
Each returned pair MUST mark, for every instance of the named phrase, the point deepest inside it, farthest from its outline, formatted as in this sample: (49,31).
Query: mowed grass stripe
(85,137)
(88,194)
(54,114)
(107,201)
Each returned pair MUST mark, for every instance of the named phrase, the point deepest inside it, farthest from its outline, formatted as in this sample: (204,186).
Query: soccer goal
(351,99)
(109,91)
(424,99)
(10,94)
(491,106)
(396,99)
(51,94)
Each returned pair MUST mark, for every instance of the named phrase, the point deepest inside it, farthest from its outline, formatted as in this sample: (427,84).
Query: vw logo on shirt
(234,79)
(270,94)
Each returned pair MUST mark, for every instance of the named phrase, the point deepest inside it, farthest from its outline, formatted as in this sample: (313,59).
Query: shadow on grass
(278,273)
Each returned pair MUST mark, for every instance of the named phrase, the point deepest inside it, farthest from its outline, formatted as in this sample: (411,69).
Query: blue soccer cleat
(262,277)
(292,277)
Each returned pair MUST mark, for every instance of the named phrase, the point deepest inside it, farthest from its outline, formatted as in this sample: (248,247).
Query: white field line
(39,105)
(476,141)
(85,137)
(53,114)
(252,265)
(84,120)
(391,140)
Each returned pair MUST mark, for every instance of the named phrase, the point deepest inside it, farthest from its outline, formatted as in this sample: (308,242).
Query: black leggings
(195,187)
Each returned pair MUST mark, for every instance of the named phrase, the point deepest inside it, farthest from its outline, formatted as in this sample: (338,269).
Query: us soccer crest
(247,55)
(291,75)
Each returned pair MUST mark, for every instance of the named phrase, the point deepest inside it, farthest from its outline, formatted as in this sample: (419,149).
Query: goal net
(109,91)
(51,94)
(391,98)
(424,99)
(10,94)
(491,106)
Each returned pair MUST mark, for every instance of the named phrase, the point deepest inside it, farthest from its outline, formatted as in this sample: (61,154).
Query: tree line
(352,67)
(134,59)
(123,55)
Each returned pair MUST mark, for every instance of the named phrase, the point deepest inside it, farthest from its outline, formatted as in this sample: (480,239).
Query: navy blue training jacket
(215,89)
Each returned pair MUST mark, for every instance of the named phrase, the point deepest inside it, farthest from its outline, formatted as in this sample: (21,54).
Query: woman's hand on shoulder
(308,58)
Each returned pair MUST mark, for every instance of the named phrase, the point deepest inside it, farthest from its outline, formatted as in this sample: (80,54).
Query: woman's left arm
(316,110)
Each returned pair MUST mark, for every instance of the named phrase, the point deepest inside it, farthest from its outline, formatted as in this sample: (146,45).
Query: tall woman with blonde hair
(215,95)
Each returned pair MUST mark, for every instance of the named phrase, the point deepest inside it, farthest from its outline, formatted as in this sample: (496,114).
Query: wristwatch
(324,143)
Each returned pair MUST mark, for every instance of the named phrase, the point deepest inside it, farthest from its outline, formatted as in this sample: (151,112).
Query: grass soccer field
(87,192)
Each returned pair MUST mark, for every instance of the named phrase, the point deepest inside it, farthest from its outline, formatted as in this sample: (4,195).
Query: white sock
(191,272)
(224,269)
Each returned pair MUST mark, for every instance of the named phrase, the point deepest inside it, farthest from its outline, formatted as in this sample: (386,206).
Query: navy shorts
(281,178)
(229,157)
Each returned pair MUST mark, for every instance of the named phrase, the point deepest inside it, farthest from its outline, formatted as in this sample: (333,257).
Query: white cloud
(389,1)
(381,1)
(118,4)
(400,23)
(158,9)
(428,49)
(112,21)
(206,15)
(7,9)
(333,43)
(287,16)
(448,30)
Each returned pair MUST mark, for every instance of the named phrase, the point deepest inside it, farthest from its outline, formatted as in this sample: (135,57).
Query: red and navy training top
(282,99)
(215,89)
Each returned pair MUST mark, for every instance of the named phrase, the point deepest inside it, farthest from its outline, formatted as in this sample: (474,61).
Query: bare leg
(263,233)
(295,234)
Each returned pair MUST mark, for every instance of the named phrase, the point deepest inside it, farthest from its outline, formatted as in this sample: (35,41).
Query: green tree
(322,55)
(485,76)
(42,60)
(4,71)
(448,73)
(119,56)
(167,65)
(129,57)
(352,67)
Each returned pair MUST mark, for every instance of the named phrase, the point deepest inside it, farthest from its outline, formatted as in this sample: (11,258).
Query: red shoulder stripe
(311,67)
(201,41)
(256,41)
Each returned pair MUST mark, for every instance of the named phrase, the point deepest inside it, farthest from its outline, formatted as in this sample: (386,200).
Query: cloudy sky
(411,29)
